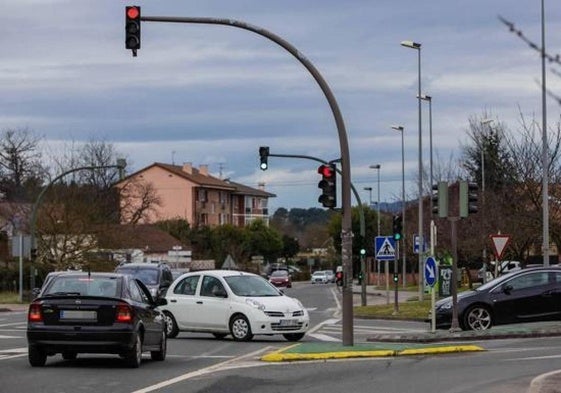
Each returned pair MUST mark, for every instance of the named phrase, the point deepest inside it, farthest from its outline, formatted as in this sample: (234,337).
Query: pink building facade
(196,196)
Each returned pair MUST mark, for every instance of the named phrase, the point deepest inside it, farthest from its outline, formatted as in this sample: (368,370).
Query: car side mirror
(219,292)
(507,289)
(160,301)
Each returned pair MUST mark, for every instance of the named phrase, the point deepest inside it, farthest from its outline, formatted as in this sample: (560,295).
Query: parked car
(223,302)
(319,276)
(156,276)
(81,312)
(330,276)
(525,295)
(281,278)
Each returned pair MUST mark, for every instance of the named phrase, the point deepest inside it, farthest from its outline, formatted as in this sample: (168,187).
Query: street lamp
(484,254)
(377,167)
(417,47)
(369,189)
(426,97)
(401,129)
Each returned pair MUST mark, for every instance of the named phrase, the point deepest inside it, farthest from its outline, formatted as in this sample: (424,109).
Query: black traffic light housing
(328,185)
(395,277)
(132,28)
(264,156)
(468,198)
(397,227)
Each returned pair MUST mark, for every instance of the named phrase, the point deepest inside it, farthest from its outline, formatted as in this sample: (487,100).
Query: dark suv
(156,276)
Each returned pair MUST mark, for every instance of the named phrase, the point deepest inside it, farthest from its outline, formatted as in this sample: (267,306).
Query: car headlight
(256,304)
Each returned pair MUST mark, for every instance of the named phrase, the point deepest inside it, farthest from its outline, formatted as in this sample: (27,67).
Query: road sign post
(384,250)
(500,242)
(431,275)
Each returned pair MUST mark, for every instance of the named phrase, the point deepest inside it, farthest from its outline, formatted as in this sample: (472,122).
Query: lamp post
(545,180)
(484,254)
(369,189)
(417,47)
(377,167)
(426,97)
(401,129)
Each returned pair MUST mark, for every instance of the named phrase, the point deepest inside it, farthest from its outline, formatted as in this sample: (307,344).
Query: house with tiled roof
(193,194)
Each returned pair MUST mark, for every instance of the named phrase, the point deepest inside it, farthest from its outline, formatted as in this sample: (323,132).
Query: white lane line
(12,350)
(323,337)
(200,372)
(5,337)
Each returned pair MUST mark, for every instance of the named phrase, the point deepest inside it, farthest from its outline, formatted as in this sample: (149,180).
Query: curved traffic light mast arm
(120,165)
(346,227)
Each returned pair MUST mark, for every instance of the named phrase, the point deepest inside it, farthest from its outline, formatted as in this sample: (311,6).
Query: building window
(202,195)
(203,220)
(222,197)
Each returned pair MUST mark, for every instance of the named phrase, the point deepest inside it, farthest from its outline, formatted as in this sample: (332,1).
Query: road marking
(324,337)
(200,372)
(3,337)
(13,353)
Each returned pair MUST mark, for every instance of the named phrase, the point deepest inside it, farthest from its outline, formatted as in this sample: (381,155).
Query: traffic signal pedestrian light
(132,28)
(395,277)
(264,156)
(328,185)
(397,227)
(468,198)
(440,199)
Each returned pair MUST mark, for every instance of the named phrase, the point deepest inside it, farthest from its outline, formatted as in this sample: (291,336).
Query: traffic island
(325,351)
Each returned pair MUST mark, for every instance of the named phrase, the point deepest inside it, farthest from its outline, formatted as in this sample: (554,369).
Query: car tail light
(34,314)
(124,313)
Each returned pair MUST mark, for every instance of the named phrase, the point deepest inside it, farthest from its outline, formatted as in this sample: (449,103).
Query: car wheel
(293,336)
(69,355)
(171,326)
(240,329)
(219,336)
(133,357)
(160,355)
(477,317)
(37,357)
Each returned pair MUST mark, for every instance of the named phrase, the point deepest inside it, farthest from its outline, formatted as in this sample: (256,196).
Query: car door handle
(199,302)
(173,301)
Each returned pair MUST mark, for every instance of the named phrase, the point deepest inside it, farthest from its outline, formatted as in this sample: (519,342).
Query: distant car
(330,275)
(281,278)
(156,276)
(319,276)
(223,302)
(520,296)
(81,312)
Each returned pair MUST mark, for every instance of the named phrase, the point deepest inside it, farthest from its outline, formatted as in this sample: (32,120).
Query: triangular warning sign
(386,249)
(499,244)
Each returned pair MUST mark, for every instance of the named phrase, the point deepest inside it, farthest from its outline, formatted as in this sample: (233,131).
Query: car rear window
(83,286)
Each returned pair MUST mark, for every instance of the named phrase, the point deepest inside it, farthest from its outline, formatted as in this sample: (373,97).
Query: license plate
(78,314)
(289,322)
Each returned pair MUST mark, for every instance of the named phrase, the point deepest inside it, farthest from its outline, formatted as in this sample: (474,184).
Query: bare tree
(139,201)
(21,172)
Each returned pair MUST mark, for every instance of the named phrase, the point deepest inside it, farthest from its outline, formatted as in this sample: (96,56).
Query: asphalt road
(200,363)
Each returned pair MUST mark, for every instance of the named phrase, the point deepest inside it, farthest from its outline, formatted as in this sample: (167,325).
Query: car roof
(223,273)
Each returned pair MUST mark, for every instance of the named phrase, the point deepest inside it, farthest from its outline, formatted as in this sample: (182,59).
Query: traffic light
(33,254)
(132,28)
(264,155)
(328,185)
(468,198)
(440,199)
(397,227)
(395,277)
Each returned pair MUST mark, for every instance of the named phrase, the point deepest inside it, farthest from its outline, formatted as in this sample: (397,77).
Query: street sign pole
(431,276)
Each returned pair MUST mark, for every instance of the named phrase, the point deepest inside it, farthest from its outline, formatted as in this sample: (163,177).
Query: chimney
(187,168)
(203,170)
(261,186)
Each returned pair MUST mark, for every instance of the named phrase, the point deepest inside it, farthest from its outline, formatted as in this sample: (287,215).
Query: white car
(319,276)
(330,276)
(224,302)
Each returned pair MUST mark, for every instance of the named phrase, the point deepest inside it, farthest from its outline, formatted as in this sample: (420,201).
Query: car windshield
(279,273)
(147,276)
(493,283)
(319,274)
(251,286)
(82,286)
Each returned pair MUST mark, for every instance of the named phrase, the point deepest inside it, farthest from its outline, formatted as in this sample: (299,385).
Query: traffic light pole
(346,222)
(360,213)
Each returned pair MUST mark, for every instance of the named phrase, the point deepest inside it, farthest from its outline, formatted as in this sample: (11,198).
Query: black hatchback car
(81,312)
(521,296)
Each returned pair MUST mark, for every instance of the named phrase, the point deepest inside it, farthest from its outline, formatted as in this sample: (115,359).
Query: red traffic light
(326,171)
(133,12)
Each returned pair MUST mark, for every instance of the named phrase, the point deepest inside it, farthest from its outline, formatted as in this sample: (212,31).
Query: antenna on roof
(173,157)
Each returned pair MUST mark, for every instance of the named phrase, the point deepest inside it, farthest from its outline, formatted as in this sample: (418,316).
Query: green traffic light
(397,236)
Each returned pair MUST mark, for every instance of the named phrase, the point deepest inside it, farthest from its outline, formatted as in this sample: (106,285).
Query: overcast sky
(209,94)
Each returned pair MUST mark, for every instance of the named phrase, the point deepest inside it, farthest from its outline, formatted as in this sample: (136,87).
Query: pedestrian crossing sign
(385,248)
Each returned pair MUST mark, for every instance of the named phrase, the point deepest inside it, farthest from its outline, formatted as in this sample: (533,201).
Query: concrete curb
(283,355)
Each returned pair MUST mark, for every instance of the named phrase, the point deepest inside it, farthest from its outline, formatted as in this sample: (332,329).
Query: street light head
(425,97)
(377,166)
(367,188)
(411,44)
(398,128)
